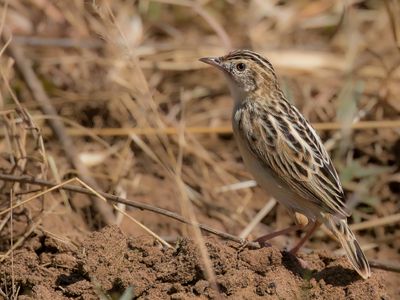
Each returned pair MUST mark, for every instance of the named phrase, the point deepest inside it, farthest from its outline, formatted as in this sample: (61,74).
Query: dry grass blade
(20,241)
(4,221)
(3,20)
(57,237)
(237,186)
(94,192)
(393,11)
(187,206)
(57,42)
(55,187)
(35,224)
(41,97)
(76,126)
(56,175)
(376,222)
(188,209)
(157,237)
(116,199)
(361,125)
(258,217)
(220,31)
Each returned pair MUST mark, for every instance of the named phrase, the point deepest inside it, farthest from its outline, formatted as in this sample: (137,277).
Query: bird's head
(247,73)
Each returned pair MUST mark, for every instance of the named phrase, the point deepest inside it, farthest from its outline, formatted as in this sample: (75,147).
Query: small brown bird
(284,153)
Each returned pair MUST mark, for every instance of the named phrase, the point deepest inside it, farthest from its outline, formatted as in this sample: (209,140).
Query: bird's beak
(213,61)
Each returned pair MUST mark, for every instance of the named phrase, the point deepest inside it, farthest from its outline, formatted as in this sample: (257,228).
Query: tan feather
(299,160)
(350,245)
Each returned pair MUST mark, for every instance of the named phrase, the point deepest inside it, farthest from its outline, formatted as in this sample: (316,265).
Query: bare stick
(113,198)
(164,212)
(41,193)
(34,84)
(385,266)
(156,236)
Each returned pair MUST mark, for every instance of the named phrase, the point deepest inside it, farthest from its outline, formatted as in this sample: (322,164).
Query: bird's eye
(241,67)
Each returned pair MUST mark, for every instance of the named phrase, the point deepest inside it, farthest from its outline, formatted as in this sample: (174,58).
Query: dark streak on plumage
(302,170)
(249,55)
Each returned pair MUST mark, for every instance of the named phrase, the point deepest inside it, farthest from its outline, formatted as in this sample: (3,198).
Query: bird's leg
(311,227)
(261,240)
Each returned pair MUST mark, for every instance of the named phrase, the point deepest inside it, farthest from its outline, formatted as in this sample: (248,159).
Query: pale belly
(276,187)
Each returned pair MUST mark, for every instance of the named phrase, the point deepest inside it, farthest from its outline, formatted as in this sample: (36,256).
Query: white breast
(274,186)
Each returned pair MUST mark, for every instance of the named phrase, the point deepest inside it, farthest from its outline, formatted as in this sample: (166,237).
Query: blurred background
(112,92)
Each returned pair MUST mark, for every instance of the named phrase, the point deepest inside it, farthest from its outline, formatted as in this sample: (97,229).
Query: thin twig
(164,212)
(156,236)
(145,228)
(113,198)
(4,221)
(387,266)
(41,193)
(26,234)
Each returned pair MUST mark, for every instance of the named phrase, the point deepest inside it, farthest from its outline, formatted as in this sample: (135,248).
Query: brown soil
(106,263)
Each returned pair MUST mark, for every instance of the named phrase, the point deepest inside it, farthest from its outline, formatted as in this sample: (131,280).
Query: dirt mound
(108,262)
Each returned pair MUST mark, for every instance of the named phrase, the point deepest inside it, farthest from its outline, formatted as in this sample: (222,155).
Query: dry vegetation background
(112,92)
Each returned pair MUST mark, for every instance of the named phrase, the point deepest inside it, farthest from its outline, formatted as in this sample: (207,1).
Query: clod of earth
(108,262)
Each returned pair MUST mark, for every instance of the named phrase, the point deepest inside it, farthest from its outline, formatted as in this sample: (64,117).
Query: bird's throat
(237,92)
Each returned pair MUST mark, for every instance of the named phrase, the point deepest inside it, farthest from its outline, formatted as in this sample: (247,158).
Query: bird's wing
(286,143)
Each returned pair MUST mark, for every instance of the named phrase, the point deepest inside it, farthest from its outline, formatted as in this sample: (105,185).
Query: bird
(284,153)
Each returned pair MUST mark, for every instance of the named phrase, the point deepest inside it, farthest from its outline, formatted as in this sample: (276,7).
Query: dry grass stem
(391,219)
(361,125)
(21,203)
(116,199)
(41,97)
(146,229)
(258,217)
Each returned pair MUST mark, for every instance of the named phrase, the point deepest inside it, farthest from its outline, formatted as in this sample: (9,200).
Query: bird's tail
(352,248)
